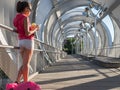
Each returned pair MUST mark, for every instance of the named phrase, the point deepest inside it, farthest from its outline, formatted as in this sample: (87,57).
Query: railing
(108,51)
(43,54)
(36,40)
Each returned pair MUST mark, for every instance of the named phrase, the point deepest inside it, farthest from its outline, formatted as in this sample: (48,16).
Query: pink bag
(24,86)
(11,86)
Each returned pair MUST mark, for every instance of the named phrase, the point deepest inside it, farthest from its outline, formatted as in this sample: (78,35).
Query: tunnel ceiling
(69,18)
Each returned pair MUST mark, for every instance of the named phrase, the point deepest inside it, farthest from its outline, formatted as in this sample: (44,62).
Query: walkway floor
(74,73)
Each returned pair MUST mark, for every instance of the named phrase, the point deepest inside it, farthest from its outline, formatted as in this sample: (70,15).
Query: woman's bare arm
(26,26)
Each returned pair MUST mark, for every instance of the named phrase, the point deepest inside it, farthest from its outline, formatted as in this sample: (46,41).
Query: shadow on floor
(103,84)
(65,79)
(67,64)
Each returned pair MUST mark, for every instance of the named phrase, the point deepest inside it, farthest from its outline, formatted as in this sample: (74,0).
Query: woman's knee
(26,65)
(21,68)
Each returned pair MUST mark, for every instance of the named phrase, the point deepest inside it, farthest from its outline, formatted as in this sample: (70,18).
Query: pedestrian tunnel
(85,27)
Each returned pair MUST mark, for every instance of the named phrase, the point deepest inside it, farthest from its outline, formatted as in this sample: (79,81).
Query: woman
(26,36)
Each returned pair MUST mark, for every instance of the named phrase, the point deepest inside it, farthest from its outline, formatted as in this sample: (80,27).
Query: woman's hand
(15,30)
(37,26)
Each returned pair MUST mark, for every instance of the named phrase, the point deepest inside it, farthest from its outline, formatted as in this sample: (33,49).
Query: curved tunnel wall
(56,25)
(48,18)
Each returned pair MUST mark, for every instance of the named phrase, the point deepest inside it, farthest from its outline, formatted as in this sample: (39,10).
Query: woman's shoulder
(21,15)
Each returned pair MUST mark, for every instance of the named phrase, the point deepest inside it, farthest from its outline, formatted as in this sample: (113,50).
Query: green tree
(69,47)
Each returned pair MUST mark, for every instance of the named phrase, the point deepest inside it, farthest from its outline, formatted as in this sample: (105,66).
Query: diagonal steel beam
(34,7)
(114,5)
(54,5)
(54,2)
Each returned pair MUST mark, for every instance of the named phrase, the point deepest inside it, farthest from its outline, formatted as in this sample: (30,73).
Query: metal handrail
(109,47)
(12,30)
(16,47)
(8,46)
(6,27)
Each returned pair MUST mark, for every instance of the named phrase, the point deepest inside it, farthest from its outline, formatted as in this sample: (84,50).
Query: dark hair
(21,5)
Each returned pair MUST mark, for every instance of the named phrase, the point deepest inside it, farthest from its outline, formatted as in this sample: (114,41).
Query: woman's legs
(26,50)
(19,75)
(20,70)
(26,61)
(24,69)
